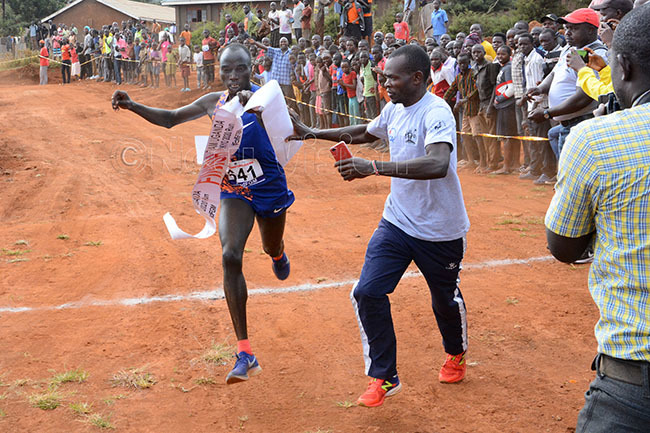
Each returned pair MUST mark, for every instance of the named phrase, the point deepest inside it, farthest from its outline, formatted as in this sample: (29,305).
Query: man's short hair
(631,40)
(501,35)
(549,31)
(417,58)
(526,35)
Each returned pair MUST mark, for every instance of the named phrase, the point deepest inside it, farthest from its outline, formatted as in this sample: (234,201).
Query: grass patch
(15,252)
(539,188)
(111,399)
(519,229)
(218,353)
(18,260)
(101,421)
(20,382)
(93,244)
(63,237)
(508,221)
(345,404)
(512,301)
(81,408)
(134,378)
(537,220)
(2,413)
(48,400)
(205,381)
(77,375)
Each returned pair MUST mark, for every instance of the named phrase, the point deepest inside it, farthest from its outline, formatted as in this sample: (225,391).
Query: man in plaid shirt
(603,192)
(281,71)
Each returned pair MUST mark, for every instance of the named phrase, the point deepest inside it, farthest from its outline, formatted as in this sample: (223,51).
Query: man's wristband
(374,167)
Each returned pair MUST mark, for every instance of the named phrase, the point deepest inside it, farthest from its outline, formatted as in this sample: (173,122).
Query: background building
(96,13)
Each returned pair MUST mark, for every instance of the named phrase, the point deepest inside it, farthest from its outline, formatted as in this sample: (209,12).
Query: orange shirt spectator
(211,44)
(350,78)
(65,52)
(188,37)
(45,61)
(353,15)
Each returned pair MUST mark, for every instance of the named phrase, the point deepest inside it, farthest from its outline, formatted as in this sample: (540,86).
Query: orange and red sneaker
(453,370)
(378,390)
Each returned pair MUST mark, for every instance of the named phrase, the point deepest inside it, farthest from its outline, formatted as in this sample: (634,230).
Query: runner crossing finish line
(251,186)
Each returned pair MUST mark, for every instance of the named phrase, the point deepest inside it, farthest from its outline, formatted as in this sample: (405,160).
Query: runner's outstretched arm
(167,118)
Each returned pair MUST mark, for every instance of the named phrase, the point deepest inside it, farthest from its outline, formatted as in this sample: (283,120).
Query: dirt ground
(86,188)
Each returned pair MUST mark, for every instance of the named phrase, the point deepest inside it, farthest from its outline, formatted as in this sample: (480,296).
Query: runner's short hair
(240,47)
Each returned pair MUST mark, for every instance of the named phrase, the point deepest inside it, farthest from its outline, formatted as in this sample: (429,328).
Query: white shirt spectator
(198,59)
(534,73)
(274,15)
(431,210)
(285,25)
(297,14)
(565,80)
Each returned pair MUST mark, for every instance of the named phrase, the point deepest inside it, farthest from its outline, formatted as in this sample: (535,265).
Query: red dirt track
(64,169)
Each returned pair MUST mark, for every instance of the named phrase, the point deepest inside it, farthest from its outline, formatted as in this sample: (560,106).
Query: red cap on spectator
(579,16)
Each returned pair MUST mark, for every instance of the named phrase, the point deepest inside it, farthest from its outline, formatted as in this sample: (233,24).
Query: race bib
(206,47)
(245,173)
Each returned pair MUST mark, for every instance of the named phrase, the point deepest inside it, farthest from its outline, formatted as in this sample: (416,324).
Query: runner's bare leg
(236,219)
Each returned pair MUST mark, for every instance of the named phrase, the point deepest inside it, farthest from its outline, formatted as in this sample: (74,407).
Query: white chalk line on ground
(219,294)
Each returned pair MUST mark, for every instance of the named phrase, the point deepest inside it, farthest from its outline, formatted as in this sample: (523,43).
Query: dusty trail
(71,166)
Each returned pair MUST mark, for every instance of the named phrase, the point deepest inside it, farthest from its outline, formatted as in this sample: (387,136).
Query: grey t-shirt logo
(410,136)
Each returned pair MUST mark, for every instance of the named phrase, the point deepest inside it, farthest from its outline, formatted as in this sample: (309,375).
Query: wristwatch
(547,115)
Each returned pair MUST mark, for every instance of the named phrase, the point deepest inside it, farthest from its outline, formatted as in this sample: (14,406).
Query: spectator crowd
(535,80)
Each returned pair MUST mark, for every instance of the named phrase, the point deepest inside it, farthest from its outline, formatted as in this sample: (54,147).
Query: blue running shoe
(282,267)
(245,367)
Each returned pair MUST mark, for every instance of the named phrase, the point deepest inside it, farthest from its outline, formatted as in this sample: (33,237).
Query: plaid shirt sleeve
(573,209)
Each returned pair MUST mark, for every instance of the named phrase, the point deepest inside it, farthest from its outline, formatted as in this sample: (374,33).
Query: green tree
(530,10)
(28,11)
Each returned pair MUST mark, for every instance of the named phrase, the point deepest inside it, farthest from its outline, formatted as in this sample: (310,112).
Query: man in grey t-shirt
(424,219)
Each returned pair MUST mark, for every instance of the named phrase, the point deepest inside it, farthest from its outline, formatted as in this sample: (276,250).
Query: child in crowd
(171,66)
(349,82)
(305,94)
(356,67)
(317,72)
(313,93)
(401,27)
(156,59)
(341,93)
(198,63)
(74,58)
(144,65)
(56,47)
(184,61)
(263,78)
(65,61)
(165,46)
(131,64)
